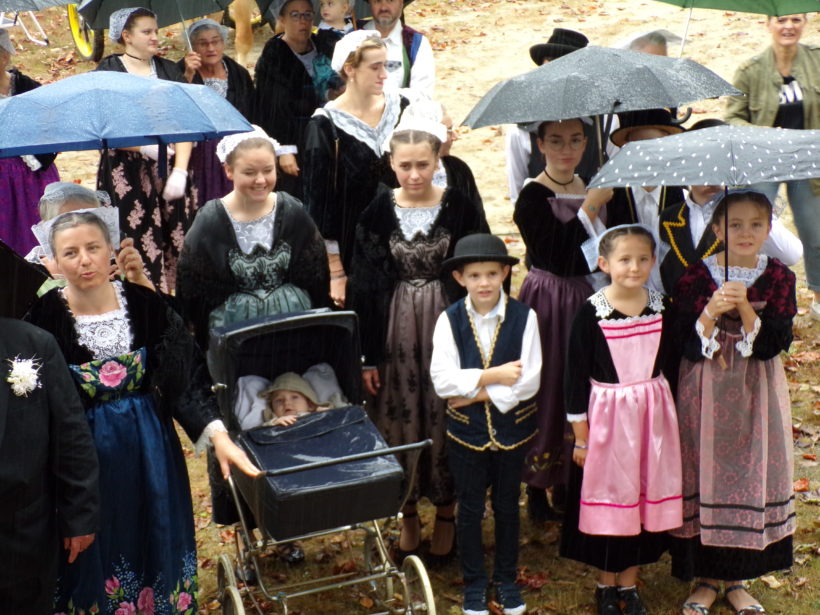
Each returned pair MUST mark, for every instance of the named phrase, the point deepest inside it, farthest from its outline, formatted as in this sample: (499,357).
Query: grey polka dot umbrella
(717,156)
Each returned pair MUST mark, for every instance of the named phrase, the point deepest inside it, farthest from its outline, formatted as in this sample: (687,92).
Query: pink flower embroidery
(112,373)
(145,602)
(126,608)
(112,585)
(183,602)
(88,378)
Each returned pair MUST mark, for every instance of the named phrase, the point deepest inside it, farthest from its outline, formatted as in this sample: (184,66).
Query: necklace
(136,57)
(552,179)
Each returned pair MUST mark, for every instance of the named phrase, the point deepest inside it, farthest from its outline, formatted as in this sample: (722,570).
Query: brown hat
(659,119)
(290,381)
(560,43)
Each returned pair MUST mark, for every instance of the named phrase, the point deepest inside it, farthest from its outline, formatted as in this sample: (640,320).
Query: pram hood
(271,345)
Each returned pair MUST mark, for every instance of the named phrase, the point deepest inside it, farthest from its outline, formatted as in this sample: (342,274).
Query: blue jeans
(474,471)
(806,211)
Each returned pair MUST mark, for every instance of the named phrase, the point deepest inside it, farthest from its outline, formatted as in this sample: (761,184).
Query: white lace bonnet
(116,23)
(109,215)
(230,143)
(346,45)
(591,247)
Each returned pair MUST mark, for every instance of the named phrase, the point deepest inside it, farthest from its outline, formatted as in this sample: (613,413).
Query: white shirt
(423,71)
(781,243)
(449,380)
(518,146)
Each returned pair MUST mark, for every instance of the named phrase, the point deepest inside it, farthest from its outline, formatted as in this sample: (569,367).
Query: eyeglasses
(297,16)
(575,144)
(392,65)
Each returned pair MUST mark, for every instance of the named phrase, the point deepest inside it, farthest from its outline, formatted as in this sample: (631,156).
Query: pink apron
(632,474)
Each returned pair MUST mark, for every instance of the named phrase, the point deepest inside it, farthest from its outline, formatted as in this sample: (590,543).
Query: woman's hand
(370,379)
(288,164)
(596,198)
(193,62)
(229,454)
(338,288)
(175,184)
(76,545)
(129,263)
(579,455)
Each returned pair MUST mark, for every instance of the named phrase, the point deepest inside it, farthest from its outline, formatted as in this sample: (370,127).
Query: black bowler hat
(479,248)
(630,121)
(560,43)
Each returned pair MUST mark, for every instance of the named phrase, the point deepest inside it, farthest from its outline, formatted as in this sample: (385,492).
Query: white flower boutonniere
(24,375)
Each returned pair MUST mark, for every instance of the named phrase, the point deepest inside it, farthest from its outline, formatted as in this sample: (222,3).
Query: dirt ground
(476,44)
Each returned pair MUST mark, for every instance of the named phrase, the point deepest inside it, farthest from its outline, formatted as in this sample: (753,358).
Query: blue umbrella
(106,109)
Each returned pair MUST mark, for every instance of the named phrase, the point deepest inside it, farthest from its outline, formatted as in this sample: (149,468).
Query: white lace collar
(376,137)
(603,308)
(747,275)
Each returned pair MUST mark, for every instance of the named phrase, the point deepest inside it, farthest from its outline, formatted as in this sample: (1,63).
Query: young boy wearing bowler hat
(487,362)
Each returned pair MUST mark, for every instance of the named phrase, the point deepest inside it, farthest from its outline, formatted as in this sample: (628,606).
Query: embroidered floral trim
(746,275)
(744,346)
(415,220)
(253,232)
(24,375)
(708,346)
(113,376)
(374,138)
(603,308)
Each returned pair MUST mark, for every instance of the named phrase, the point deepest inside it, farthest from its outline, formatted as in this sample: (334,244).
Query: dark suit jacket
(48,462)
(675,230)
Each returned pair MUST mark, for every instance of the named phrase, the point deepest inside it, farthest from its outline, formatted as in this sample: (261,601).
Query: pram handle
(404,448)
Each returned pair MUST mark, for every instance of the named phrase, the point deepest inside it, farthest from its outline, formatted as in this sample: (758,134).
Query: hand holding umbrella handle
(175,186)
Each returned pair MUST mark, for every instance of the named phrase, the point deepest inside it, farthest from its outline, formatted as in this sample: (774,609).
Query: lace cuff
(593,229)
(283,150)
(31,162)
(577,418)
(744,346)
(207,433)
(708,345)
(332,246)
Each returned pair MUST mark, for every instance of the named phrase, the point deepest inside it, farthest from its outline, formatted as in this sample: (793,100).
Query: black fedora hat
(560,43)
(479,248)
(659,119)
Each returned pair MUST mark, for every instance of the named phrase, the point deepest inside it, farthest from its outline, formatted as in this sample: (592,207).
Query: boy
(487,362)
(336,16)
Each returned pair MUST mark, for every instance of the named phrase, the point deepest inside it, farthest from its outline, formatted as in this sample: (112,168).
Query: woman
(156,217)
(22,178)
(290,74)
(135,367)
(344,160)
(252,253)
(207,64)
(555,215)
(781,87)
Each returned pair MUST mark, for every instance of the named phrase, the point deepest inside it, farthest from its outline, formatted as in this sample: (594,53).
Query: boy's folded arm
(506,397)
(449,380)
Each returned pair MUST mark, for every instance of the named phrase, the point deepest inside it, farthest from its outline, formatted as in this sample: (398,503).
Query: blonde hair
(355,59)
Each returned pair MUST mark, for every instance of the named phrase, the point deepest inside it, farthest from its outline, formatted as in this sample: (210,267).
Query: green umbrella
(762,7)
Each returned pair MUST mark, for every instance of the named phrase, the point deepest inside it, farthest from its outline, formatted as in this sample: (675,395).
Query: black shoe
(537,505)
(608,601)
(633,605)
(291,553)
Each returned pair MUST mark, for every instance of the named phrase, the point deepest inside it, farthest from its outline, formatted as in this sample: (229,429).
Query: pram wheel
(232,602)
(418,594)
(225,576)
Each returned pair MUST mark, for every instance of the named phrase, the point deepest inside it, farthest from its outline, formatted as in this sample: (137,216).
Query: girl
(344,150)
(398,289)
(735,419)
(555,214)
(156,212)
(135,367)
(254,252)
(626,488)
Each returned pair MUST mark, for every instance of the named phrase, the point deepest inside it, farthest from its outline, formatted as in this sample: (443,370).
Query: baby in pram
(288,398)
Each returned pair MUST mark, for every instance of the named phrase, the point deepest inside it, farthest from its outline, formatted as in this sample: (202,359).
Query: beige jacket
(759,79)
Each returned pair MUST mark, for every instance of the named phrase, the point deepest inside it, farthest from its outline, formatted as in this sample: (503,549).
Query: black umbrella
(597,81)
(717,156)
(16,6)
(21,280)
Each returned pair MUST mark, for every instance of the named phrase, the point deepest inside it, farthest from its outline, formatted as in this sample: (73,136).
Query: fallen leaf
(810,456)
(366,601)
(801,485)
(771,581)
